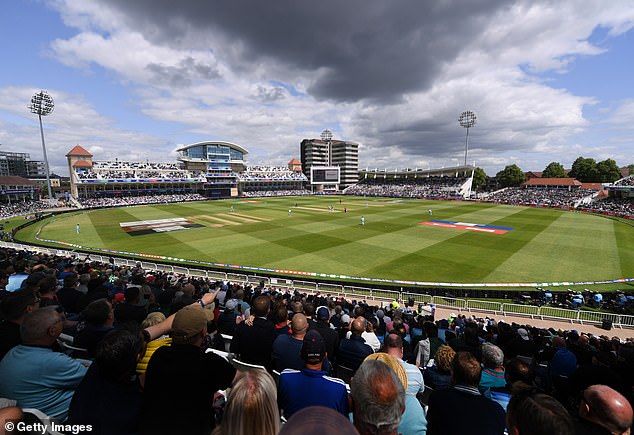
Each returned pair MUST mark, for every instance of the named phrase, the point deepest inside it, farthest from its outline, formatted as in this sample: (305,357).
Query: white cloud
(207,78)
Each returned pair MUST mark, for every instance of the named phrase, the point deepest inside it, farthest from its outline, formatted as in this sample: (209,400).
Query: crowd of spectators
(26,208)
(276,192)
(621,206)
(561,197)
(133,170)
(428,187)
(140,200)
(127,350)
(627,181)
(262,173)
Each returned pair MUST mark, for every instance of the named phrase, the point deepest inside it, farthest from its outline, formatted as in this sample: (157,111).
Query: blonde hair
(153,319)
(252,406)
(444,357)
(392,363)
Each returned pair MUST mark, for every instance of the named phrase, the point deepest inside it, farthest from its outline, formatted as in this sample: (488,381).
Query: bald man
(368,333)
(353,350)
(287,348)
(604,410)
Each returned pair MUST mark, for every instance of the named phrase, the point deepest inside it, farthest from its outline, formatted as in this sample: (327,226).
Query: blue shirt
(286,353)
(299,389)
(39,378)
(15,281)
(413,420)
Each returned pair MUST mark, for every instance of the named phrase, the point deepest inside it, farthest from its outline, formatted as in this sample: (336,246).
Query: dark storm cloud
(359,49)
(182,75)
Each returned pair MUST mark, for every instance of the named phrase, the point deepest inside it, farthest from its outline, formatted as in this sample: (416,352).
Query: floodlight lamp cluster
(467,119)
(41,103)
(326,135)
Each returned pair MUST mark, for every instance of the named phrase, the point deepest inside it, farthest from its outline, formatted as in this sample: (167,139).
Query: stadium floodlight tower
(467,119)
(326,136)
(42,105)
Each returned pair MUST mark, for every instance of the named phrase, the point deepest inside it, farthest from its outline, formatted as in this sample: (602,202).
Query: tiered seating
(133,171)
(430,187)
(544,197)
(263,173)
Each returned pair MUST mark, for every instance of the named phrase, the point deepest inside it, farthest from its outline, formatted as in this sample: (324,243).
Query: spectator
(311,385)
(286,352)
(227,320)
(36,376)
(438,376)
(479,415)
(318,420)
(368,334)
(110,380)
(353,350)
(377,399)
(280,318)
(131,310)
(151,320)
(603,410)
(330,336)
(522,345)
(97,321)
(69,296)
(181,379)
(427,347)
(253,344)
(492,369)
(48,291)
(21,272)
(14,307)
(533,413)
(251,407)
(413,420)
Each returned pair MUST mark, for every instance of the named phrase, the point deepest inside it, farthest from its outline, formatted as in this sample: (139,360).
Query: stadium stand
(428,187)
(139,200)
(567,366)
(553,197)
(25,208)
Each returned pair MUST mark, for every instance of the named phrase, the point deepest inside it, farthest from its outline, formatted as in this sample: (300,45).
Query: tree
(510,176)
(585,170)
(608,171)
(479,179)
(554,170)
(630,167)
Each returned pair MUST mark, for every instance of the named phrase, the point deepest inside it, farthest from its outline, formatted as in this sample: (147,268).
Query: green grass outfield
(544,245)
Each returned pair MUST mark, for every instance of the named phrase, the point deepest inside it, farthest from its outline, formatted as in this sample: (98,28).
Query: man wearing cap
(227,319)
(311,386)
(521,344)
(181,379)
(329,334)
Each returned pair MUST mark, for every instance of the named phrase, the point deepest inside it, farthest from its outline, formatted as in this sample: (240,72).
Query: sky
(136,80)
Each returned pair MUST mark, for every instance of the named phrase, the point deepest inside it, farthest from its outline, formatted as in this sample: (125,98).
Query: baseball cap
(314,347)
(231,304)
(188,323)
(380,314)
(323,313)
(345,318)
(119,297)
(523,333)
